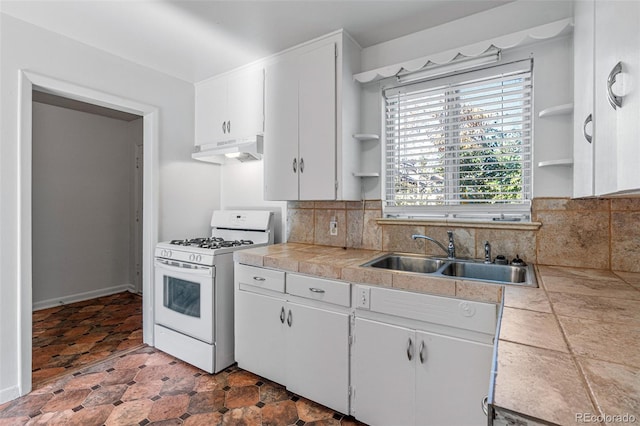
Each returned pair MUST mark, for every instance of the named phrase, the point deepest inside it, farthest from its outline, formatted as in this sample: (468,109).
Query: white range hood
(241,149)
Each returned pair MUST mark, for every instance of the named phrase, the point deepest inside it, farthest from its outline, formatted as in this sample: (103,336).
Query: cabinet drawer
(335,292)
(260,277)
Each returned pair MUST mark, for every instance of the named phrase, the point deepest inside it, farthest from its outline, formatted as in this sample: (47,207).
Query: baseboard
(79,297)
(9,393)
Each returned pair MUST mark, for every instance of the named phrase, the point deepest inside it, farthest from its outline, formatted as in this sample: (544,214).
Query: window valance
(520,38)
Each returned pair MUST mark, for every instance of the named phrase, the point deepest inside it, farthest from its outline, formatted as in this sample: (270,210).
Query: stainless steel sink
(407,263)
(486,272)
(473,270)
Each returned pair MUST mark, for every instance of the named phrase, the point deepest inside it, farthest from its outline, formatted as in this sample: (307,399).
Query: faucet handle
(451,250)
(487,252)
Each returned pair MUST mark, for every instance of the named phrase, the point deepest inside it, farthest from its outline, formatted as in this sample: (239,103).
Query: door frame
(29,80)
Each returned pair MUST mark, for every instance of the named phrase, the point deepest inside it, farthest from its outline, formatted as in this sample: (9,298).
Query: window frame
(475,211)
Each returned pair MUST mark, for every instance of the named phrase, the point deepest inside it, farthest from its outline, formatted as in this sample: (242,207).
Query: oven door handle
(204,271)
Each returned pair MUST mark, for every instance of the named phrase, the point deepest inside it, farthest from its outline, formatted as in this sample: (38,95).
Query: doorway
(30,81)
(87,239)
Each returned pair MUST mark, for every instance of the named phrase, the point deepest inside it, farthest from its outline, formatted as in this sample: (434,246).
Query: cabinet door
(259,335)
(617,149)
(583,45)
(317,121)
(281,131)
(383,373)
(452,378)
(211,111)
(318,355)
(246,103)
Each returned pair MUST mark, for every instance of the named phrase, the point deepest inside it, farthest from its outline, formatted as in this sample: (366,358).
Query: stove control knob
(192,257)
(163,253)
(169,253)
(198,258)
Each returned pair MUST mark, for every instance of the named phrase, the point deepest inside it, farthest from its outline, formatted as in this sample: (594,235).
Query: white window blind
(461,145)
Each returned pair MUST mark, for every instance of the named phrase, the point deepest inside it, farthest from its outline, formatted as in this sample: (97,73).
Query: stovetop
(231,230)
(210,243)
(205,250)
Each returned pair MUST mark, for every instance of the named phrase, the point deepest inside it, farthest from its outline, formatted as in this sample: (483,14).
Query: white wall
(243,188)
(82,174)
(185,202)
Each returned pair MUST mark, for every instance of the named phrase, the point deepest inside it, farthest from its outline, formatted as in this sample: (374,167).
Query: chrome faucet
(450,250)
(487,252)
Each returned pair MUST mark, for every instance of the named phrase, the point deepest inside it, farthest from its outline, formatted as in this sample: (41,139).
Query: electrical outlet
(333,227)
(363,297)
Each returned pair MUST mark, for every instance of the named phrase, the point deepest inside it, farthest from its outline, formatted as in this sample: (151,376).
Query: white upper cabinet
(583,111)
(317,124)
(607,47)
(617,147)
(230,106)
(311,109)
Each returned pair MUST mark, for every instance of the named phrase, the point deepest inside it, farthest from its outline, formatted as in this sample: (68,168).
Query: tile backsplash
(591,233)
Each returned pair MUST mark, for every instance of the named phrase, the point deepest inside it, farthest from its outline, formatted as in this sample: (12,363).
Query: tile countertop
(568,352)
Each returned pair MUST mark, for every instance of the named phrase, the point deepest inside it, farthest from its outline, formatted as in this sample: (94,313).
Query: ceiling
(194,40)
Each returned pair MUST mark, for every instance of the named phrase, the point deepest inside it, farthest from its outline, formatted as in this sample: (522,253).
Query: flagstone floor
(70,336)
(148,387)
(91,368)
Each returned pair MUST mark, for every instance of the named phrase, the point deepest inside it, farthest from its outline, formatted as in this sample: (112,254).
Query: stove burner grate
(211,242)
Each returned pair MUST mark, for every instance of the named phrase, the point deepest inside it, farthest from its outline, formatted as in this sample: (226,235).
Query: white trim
(520,38)
(79,297)
(8,394)
(27,81)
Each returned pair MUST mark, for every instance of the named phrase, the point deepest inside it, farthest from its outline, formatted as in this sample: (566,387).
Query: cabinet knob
(587,120)
(295,165)
(614,100)
(410,349)
(421,352)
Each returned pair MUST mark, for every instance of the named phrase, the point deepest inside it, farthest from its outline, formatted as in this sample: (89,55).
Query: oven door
(184,298)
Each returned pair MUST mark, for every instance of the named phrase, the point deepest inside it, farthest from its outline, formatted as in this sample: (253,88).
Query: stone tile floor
(71,336)
(148,387)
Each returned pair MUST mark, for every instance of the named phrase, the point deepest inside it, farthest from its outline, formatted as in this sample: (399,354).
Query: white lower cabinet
(411,377)
(317,343)
(452,378)
(397,358)
(383,377)
(260,335)
(303,345)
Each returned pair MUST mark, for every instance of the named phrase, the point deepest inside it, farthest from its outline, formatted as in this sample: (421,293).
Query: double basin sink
(456,268)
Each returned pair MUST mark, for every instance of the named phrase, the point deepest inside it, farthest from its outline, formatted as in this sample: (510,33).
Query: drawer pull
(259,278)
(282,315)
(421,352)
(485,405)
(316,290)
(410,350)
(289,318)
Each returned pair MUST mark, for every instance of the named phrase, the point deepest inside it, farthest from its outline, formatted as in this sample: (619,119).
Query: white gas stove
(194,288)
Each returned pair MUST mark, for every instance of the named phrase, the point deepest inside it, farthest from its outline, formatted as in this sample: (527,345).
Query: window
(460,145)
